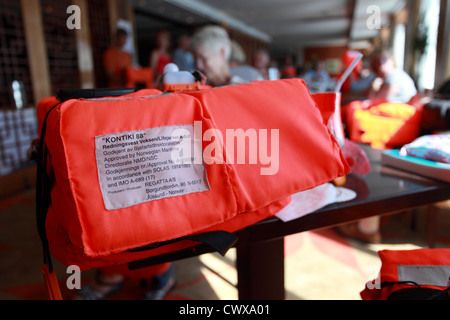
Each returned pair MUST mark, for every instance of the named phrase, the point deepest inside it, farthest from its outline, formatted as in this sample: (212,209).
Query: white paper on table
(308,201)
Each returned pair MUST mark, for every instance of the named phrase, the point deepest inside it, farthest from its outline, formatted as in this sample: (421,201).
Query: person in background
(317,78)
(211,47)
(361,84)
(261,61)
(288,69)
(182,57)
(116,60)
(238,67)
(160,56)
(391,84)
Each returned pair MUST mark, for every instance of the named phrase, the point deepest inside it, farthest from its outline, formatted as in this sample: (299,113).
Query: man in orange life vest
(116,60)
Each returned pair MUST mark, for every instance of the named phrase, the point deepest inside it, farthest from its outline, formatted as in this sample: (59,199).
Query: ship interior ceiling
(285,26)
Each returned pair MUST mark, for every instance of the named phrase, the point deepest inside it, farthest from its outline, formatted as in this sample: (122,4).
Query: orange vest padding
(409,269)
(384,125)
(139,77)
(147,168)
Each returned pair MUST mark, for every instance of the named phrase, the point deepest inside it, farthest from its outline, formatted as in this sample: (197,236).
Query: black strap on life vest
(416,292)
(43,188)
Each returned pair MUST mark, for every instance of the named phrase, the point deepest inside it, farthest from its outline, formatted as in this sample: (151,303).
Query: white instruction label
(145,165)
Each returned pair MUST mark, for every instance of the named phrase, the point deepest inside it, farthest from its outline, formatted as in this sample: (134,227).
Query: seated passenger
(116,60)
(211,47)
(238,67)
(317,78)
(261,61)
(392,84)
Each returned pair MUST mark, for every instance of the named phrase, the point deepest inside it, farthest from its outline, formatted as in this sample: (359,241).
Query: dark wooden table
(260,248)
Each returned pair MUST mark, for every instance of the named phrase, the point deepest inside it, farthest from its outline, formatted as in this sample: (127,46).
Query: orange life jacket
(411,274)
(118,195)
(382,125)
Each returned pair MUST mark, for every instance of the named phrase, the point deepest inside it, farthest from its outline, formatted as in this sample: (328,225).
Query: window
(427,61)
